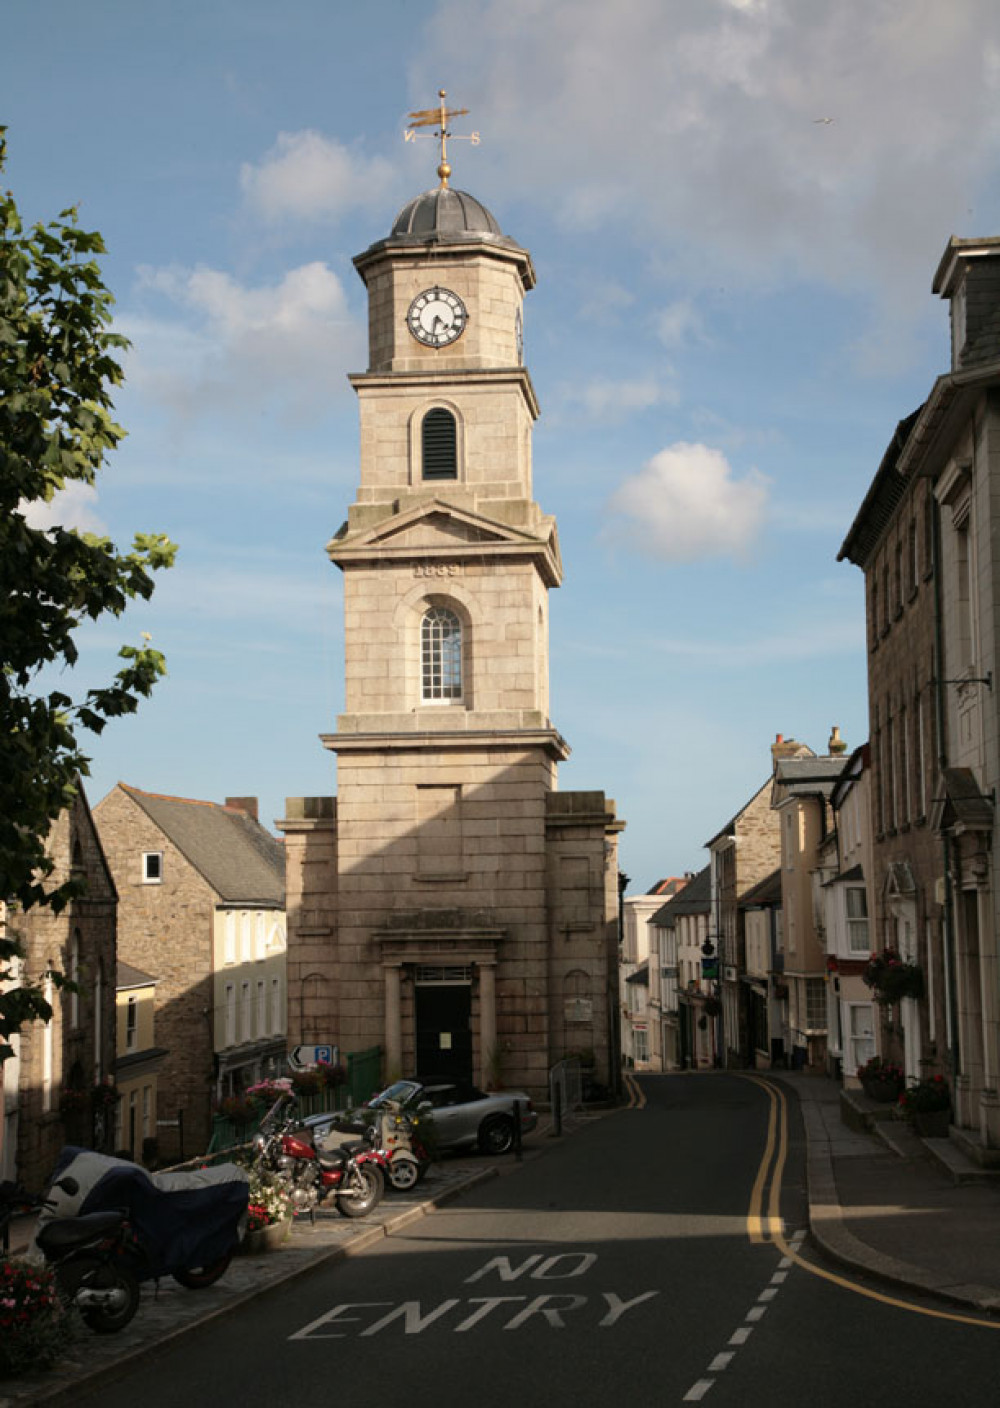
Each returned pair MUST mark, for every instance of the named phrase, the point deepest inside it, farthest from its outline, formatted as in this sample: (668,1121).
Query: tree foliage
(57,372)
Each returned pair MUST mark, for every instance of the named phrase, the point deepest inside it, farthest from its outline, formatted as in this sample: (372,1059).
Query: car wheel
(496,1135)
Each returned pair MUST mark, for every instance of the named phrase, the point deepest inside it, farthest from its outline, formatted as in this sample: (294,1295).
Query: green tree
(57,371)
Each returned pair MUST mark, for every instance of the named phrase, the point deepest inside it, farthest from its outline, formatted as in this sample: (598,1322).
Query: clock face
(436,317)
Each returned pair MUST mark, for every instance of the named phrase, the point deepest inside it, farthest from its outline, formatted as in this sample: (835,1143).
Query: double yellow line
(769,1227)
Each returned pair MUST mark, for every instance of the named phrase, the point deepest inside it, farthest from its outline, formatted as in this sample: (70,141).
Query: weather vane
(439,117)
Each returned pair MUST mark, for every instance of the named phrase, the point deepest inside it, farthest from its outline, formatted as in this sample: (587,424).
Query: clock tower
(468,922)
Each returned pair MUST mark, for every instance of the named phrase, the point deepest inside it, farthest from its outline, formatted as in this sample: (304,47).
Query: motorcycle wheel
(404,1173)
(196,1278)
(109,1319)
(369,1184)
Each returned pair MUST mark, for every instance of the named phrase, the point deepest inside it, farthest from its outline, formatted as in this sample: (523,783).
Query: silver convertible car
(464,1116)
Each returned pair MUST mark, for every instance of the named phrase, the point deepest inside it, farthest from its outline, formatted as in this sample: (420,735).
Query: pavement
(919,1214)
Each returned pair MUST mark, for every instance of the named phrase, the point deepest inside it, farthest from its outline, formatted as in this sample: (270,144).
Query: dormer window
(439,444)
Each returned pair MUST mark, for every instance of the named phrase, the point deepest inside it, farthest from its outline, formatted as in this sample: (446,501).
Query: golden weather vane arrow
(439,117)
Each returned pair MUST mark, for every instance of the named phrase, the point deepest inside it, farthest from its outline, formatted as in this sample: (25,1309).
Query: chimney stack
(247,805)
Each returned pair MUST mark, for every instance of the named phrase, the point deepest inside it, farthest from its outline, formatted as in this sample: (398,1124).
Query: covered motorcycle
(187,1224)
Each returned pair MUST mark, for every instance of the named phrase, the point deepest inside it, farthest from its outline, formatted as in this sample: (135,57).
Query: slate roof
(963,804)
(695,898)
(129,977)
(640,978)
(881,500)
(243,863)
(766,891)
(796,777)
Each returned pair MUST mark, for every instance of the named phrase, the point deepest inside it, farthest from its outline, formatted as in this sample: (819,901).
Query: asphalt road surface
(619,1266)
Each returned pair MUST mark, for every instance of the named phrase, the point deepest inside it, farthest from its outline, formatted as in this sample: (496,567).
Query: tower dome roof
(444,214)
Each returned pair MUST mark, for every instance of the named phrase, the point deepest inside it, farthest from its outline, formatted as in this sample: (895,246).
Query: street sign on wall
(301,1057)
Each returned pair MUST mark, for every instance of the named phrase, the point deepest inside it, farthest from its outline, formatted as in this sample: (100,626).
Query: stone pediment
(436,528)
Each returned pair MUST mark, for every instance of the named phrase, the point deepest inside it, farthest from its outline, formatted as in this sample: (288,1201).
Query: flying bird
(825,120)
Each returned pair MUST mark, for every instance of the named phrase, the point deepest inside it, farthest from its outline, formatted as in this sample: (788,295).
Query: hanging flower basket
(891,978)
(104,1096)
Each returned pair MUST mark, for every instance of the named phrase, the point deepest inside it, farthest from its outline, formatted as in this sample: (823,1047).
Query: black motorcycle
(184,1223)
(88,1255)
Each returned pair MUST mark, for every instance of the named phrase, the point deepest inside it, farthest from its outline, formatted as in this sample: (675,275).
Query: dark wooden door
(444,1031)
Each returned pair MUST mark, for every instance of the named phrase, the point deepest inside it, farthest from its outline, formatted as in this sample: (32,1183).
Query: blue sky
(735,209)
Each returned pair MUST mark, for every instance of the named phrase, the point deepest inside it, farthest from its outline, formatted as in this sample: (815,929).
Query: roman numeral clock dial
(437,317)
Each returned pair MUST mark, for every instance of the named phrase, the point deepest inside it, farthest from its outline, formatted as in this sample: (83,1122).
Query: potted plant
(35,1327)
(927,1104)
(269,1214)
(891,977)
(881,1080)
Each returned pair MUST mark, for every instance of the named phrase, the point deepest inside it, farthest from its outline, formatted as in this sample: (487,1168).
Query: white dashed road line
(739,1337)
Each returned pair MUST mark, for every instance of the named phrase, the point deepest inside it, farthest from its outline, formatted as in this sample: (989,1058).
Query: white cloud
(722,155)
(602,399)
(72,507)
(306,176)
(685,504)
(225,346)
(679,323)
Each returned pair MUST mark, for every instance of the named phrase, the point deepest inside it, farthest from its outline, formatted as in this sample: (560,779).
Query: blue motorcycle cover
(183,1220)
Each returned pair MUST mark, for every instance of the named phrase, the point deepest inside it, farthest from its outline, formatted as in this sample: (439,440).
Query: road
(655,1255)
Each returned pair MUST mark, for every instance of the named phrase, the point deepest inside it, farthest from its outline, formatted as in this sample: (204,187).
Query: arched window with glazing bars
(440,656)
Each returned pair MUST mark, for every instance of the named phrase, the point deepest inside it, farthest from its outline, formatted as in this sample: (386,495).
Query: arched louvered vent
(439,441)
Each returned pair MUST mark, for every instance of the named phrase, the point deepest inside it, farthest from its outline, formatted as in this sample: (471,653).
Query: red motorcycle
(352,1174)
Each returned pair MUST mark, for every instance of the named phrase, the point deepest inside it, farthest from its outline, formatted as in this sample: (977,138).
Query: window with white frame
(440,656)
(860,1035)
(856,906)
(230,1014)
(152,867)
(246,937)
(815,1005)
(276,1022)
(229,939)
(261,1008)
(246,1009)
(259,936)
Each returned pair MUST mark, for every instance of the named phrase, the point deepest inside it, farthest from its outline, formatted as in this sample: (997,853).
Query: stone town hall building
(449,904)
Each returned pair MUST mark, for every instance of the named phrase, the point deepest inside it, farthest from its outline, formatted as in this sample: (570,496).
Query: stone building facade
(48,1084)
(892,541)
(201,911)
(740,855)
(450,905)
(925,537)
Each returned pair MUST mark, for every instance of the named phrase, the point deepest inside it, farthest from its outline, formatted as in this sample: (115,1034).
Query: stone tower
(450,906)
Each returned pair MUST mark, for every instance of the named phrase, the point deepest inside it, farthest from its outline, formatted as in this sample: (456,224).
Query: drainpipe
(939,717)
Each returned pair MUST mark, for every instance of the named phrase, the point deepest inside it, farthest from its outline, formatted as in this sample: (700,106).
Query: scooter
(88,1256)
(394,1134)
(353,1174)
